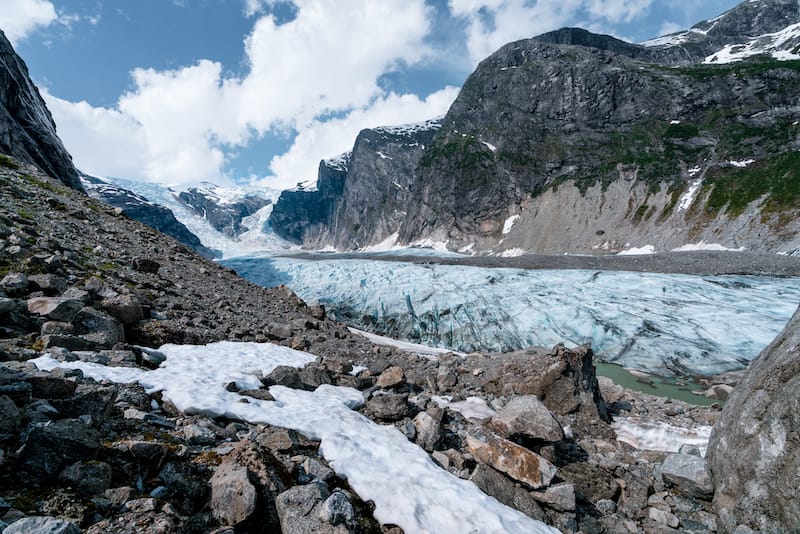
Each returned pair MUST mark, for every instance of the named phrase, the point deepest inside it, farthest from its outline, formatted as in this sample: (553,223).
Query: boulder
(146,265)
(233,497)
(428,426)
(88,478)
(14,284)
(506,456)
(388,406)
(49,284)
(391,377)
(98,327)
(10,418)
(55,308)
(527,416)
(559,497)
(284,375)
(6,305)
(42,525)
(754,450)
(51,446)
(126,308)
(505,490)
(336,509)
(301,511)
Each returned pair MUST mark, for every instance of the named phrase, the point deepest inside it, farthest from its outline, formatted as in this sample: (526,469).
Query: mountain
(223,211)
(139,208)
(27,130)
(573,142)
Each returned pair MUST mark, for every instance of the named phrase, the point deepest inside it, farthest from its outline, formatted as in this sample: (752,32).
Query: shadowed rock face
(27,130)
(754,451)
(225,217)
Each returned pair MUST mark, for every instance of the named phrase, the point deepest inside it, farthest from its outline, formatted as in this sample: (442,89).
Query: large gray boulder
(754,451)
(42,525)
(689,473)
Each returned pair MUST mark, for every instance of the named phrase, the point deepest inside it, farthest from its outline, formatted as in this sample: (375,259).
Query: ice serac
(139,208)
(361,198)
(27,130)
(754,450)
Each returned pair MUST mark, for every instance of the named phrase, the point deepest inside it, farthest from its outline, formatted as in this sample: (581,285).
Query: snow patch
(387,244)
(438,246)
(382,155)
(742,163)
(637,251)
(471,408)
(408,129)
(651,435)
(489,146)
(509,224)
(702,245)
(379,462)
(340,162)
(414,348)
(780,45)
(688,197)
(513,253)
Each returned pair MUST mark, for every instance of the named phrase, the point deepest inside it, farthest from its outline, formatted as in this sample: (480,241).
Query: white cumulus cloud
(326,61)
(493,23)
(18,18)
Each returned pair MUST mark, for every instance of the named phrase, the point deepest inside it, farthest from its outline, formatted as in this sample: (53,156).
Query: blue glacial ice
(658,323)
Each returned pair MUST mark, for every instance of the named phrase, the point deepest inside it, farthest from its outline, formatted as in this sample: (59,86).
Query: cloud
(333,137)
(493,23)
(18,18)
(669,27)
(326,61)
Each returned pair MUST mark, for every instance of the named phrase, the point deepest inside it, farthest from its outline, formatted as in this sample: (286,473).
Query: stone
(428,430)
(505,490)
(49,284)
(283,375)
(51,386)
(42,525)
(336,509)
(611,391)
(663,518)
(387,406)
(527,416)
(391,377)
(98,327)
(88,478)
(51,446)
(592,482)
(55,308)
(10,417)
(198,435)
(233,497)
(688,473)
(300,511)
(57,327)
(317,470)
(66,341)
(278,439)
(559,497)
(14,284)
(126,308)
(506,456)
(6,305)
(313,376)
(146,265)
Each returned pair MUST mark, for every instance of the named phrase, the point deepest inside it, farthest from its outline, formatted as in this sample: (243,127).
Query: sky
(259,91)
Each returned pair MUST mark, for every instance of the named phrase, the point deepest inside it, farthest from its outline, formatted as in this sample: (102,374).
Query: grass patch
(732,188)
(8,162)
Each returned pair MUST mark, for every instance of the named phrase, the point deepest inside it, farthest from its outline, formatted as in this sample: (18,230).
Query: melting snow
(779,45)
(702,245)
(340,162)
(742,163)
(471,408)
(408,129)
(387,244)
(383,156)
(415,348)
(489,146)
(688,197)
(513,253)
(379,462)
(638,251)
(653,435)
(509,224)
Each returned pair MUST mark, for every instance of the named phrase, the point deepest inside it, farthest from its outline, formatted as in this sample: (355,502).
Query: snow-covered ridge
(340,162)
(782,45)
(408,129)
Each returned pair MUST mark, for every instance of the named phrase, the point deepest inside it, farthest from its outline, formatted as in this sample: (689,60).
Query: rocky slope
(27,130)
(137,207)
(81,282)
(577,143)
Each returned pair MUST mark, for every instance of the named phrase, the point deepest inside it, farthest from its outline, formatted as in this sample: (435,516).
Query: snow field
(379,462)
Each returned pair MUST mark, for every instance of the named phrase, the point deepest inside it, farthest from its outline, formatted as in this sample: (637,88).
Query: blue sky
(181,91)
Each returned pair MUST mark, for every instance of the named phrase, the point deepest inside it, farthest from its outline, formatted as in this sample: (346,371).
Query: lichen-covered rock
(233,497)
(527,416)
(689,473)
(51,446)
(754,450)
(42,525)
(514,460)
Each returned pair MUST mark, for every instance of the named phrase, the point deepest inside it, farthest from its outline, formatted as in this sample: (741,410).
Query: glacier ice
(669,325)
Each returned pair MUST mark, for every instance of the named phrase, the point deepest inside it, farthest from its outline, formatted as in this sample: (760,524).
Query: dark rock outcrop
(139,208)
(754,451)
(27,130)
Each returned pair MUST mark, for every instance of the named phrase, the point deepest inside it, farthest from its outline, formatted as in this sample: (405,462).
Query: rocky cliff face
(224,214)
(139,208)
(581,143)
(27,130)
(362,197)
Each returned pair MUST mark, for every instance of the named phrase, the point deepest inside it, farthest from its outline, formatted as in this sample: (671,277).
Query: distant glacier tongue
(658,323)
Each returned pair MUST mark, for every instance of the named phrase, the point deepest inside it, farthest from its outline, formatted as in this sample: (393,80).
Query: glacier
(664,324)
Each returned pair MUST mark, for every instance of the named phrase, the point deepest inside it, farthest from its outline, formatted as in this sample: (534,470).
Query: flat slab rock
(514,460)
